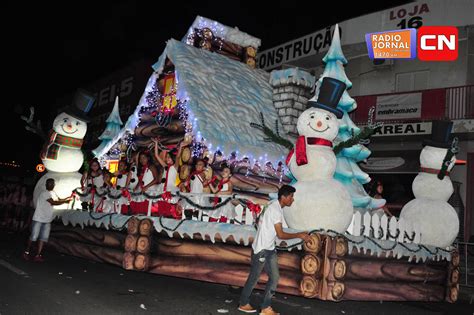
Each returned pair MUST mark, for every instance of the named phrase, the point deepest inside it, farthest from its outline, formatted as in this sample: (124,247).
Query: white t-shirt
(44,210)
(266,233)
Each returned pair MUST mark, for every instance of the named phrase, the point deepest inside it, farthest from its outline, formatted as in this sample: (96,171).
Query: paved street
(69,285)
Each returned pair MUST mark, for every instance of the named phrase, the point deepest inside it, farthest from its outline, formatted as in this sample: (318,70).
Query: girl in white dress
(94,183)
(148,183)
(227,212)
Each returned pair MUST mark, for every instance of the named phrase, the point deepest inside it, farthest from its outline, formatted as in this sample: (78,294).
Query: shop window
(412,81)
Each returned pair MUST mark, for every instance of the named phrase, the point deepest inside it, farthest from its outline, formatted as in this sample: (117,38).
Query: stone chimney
(291,92)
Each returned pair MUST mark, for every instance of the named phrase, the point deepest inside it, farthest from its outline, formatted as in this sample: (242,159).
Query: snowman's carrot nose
(460,162)
(319,123)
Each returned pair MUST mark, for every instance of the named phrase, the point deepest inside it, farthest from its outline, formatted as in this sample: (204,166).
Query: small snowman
(320,200)
(429,212)
(61,154)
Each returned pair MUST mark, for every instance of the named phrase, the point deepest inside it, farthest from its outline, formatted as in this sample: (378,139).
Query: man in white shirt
(41,225)
(270,226)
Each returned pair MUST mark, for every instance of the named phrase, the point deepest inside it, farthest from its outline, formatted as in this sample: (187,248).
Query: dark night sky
(51,49)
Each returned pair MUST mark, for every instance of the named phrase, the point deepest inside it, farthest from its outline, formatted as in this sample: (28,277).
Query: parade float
(206,92)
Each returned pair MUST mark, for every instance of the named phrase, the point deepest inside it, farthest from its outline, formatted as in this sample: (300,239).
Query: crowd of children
(153,173)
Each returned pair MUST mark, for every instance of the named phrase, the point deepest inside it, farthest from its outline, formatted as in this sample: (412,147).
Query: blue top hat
(81,105)
(440,132)
(330,93)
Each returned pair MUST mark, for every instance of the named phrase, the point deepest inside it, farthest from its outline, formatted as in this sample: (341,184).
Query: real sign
(422,128)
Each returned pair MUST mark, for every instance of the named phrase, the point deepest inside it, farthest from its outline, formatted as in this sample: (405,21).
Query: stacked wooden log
(219,262)
(91,243)
(137,244)
(358,276)
(325,269)
(311,266)
(452,287)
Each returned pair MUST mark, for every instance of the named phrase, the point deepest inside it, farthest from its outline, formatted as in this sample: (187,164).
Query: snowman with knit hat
(61,154)
(430,213)
(320,200)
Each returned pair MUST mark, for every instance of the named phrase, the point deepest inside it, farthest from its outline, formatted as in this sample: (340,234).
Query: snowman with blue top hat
(320,200)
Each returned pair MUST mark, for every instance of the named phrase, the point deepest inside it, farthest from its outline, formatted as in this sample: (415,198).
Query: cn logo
(437,43)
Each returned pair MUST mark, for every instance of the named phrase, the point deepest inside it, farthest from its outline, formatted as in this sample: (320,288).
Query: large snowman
(61,154)
(320,200)
(429,212)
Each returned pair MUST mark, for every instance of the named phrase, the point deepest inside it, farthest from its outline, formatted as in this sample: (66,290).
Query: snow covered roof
(224,97)
(233,35)
(291,76)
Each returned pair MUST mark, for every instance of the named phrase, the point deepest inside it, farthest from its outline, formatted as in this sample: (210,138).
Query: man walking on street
(264,255)
(42,218)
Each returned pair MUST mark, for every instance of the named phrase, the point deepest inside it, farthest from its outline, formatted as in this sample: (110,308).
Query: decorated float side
(206,100)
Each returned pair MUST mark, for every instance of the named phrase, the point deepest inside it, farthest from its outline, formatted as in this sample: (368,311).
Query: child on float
(148,184)
(105,203)
(120,187)
(94,184)
(195,184)
(224,187)
(132,178)
(169,206)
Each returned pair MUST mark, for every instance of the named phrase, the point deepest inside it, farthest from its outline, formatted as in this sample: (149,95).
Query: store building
(430,90)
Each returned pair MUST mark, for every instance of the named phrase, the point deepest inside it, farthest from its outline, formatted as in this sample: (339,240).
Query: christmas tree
(112,128)
(347,170)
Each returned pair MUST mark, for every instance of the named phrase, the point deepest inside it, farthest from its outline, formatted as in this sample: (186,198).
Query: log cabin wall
(325,269)
(205,39)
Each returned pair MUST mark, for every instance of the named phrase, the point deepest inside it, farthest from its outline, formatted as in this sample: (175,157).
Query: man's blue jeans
(267,259)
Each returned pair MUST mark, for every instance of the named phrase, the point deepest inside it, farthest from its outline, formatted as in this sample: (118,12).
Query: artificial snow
(291,76)
(224,97)
(244,233)
(240,233)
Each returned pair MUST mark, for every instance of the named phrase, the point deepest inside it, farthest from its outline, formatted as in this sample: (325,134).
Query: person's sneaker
(26,255)
(268,311)
(38,258)
(247,309)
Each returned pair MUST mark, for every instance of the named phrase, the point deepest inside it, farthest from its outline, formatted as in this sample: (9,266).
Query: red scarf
(195,174)
(51,148)
(221,184)
(432,171)
(300,148)
(140,177)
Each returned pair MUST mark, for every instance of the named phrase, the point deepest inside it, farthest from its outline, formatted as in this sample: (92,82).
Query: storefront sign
(411,15)
(422,128)
(398,106)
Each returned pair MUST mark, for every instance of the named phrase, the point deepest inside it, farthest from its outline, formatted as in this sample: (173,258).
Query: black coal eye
(77,123)
(312,116)
(328,118)
(65,120)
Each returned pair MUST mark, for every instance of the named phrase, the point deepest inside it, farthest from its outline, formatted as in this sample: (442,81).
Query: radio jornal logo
(432,43)
(399,44)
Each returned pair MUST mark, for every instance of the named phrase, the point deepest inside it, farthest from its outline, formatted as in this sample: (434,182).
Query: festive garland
(160,196)
(217,206)
(171,229)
